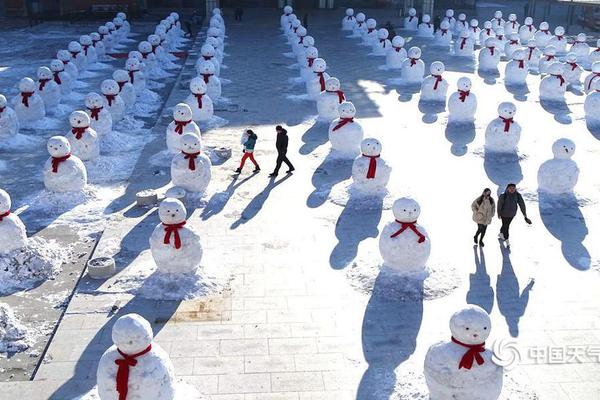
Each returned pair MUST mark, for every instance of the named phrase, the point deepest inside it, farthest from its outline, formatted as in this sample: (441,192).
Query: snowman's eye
(485,328)
(467,328)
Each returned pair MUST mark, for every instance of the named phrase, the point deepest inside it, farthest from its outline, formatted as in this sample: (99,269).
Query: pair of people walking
(484,209)
(281,145)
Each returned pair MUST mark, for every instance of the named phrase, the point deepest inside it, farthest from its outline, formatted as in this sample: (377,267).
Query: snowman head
(93,100)
(383,33)
(499,31)
(308,41)
(118,22)
(135,54)
(474,23)
(398,41)
(559,31)
(161,31)
(571,58)
(449,13)
(2,101)
(85,40)
(412,12)
(531,43)
(57,65)
(498,14)
(464,34)
(109,87)
(110,25)
(122,15)
(528,21)
(544,26)
(103,30)
(175,15)
(371,23)
(144,47)
(5,202)
(507,110)
(512,17)
(550,51)
(190,143)
(296,23)
(514,37)
(79,119)
(471,325)
(437,68)
(370,147)
(132,334)
(312,52)
(120,75)
(44,73)
(332,84)
(172,211)
(487,25)
(349,12)
(27,85)
(58,146)
(464,84)
(288,9)
(182,112)
(154,39)
(207,51)
(214,42)
(132,64)
(347,110)
(462,17)
(63,55)
(581,38)
(563,148)
(414,52)
(301,32)
(216,32)
(74,47)
(518,55)
(319,65)
(206,67)
(360,17)
(426,18)
(596,67)
(490,42)
(198,86)
(445,25)
(406,210)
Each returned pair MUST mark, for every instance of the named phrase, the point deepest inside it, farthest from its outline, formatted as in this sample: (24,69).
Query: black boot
(257,169)
(481,243)
(475,239)
(237,171)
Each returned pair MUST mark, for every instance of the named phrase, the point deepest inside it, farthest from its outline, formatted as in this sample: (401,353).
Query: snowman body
(13,234)
(464,47)
(443,37)
(370,172)
(9,123)
(553,87)
(516,73)
(489,58)
(502,135)
(70,174)
(50,93)
(190,169)
(425,30)
(28,104)
(434,88)
(83,139)
(345,133)
(394,57)
(328,103)
(559,175)
(182,123)
(572,73)
(462,104)
(411,23)
(591,106)
(100,117)
(413,71)
(316,84)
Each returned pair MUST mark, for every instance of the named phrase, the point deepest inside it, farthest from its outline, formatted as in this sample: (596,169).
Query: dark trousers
(282,158)
(481,228)
(505,225)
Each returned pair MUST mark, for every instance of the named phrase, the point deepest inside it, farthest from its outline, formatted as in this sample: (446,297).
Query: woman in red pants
(249,144)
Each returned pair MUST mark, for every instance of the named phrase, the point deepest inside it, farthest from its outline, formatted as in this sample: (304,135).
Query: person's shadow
(389,334)
(331,172)
(559,109)
(563,219)
(512,303)
(460,135)
(502,168)
(480,291)
(315,136)
(431,109)
(219,200)
(355,224)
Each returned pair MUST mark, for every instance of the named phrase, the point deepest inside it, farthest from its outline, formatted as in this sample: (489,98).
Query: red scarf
(173,229)
(74,54)
(573,66)
(507,122)
(428,25)
(471,355)
(57,160)
(548,58)
(121,84)
(145,55)
(514,24)
(301,40)
(57,77)
(310,61)
(6,214)
(342,122)
(206,77)
(198,97)
(65,62)
(530,28)
(85,48)
(95,112)
(179,126)
(597,75)
(489,31)
(500,37)
(492,50)
(154,47)
(94,41)
(123,371)
(132,75)
(372,166)
(444,31)
(474,29)
(545,31)
(397,49)
(410,18)
(438,79)
(463,95)
(340,94)
(559,37)
(562,80)
(531,49)
(360,24)
(597,50)
(43,83)
(192,159)
(2,109)
(462,43)
(110,98)
(25,98)
(382,41)
(321,80)
(521,63)
(78,132)
(514,42)
(349,18)
(409,225)
(413,61)
(207,58)
(101,35)
(370,30)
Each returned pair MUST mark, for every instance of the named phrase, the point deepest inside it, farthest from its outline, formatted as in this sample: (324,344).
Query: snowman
(98,46)
(411,22)
(182,123)
(329,100)
(157,49)
(77,56)
(47,88)
(572,70)
(503,133)
(489,57)
(413,68)
(208,53)
(61,77)
(13,234)
(126,26)
(126,89)
(176,249)
(348,21)
(461,25)
(425,28)
(516,70)
(559,175)
(190,169)
(435,87)
(474,31)
(100,117)
(309,41)
(498,21)
(511,45)
(198,101)
(148,58)
(9,122)
(533,55)
(549,58)
(449,18)
(462,368)
(443,36)
(316,84)
(383,44)
(89,51)
(216,33)
(500,39)
(527,30)
(135,367)
(360,25)
(543,35)
(370,35)
(581,48)
(346,134)
(69,66)
(554,85)
(215,44)
(291,33)
(112,100)
(206,70)
(63,172)
(591,105)
(107,41)
(486,33)
(370,173)
(595,54)
(28,105)
(136,77)
(511,26)
(82,138)
(464,46)
(559,41)
(396,54)
(404,245)
(284,19)
(462,104)
(298,41)
(592,78)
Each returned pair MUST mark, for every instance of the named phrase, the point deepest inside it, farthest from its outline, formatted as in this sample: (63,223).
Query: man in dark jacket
(508,202)
(281,144)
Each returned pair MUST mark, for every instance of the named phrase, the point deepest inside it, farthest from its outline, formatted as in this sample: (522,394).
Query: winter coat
(282,143)
(484,212)
(249,144)
(508,203)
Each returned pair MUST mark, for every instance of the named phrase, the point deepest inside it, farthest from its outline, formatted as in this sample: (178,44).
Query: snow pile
(14,336)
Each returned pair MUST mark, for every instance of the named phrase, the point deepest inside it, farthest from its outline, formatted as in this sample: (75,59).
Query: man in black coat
(508,204)
(281,144)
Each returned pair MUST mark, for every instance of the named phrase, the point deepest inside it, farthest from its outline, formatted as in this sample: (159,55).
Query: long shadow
(502,169)
(314,137)
(355,224)
(219,200)
(431,109)
(480,291)
(489,76)
(519,92)
(389,335)
(563,219)
(330,172)
(512,302)
(407,91)
(460,135)
(257,203)
(559,109)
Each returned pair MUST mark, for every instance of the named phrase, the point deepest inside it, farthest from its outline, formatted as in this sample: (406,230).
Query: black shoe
(475,239)
(237,171)
(289,171)
(481,243)
(257,169)
(273,175)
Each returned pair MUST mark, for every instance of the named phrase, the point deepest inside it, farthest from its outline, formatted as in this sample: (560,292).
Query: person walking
(281,144)
(508,202)
(484,209)
(249,144)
